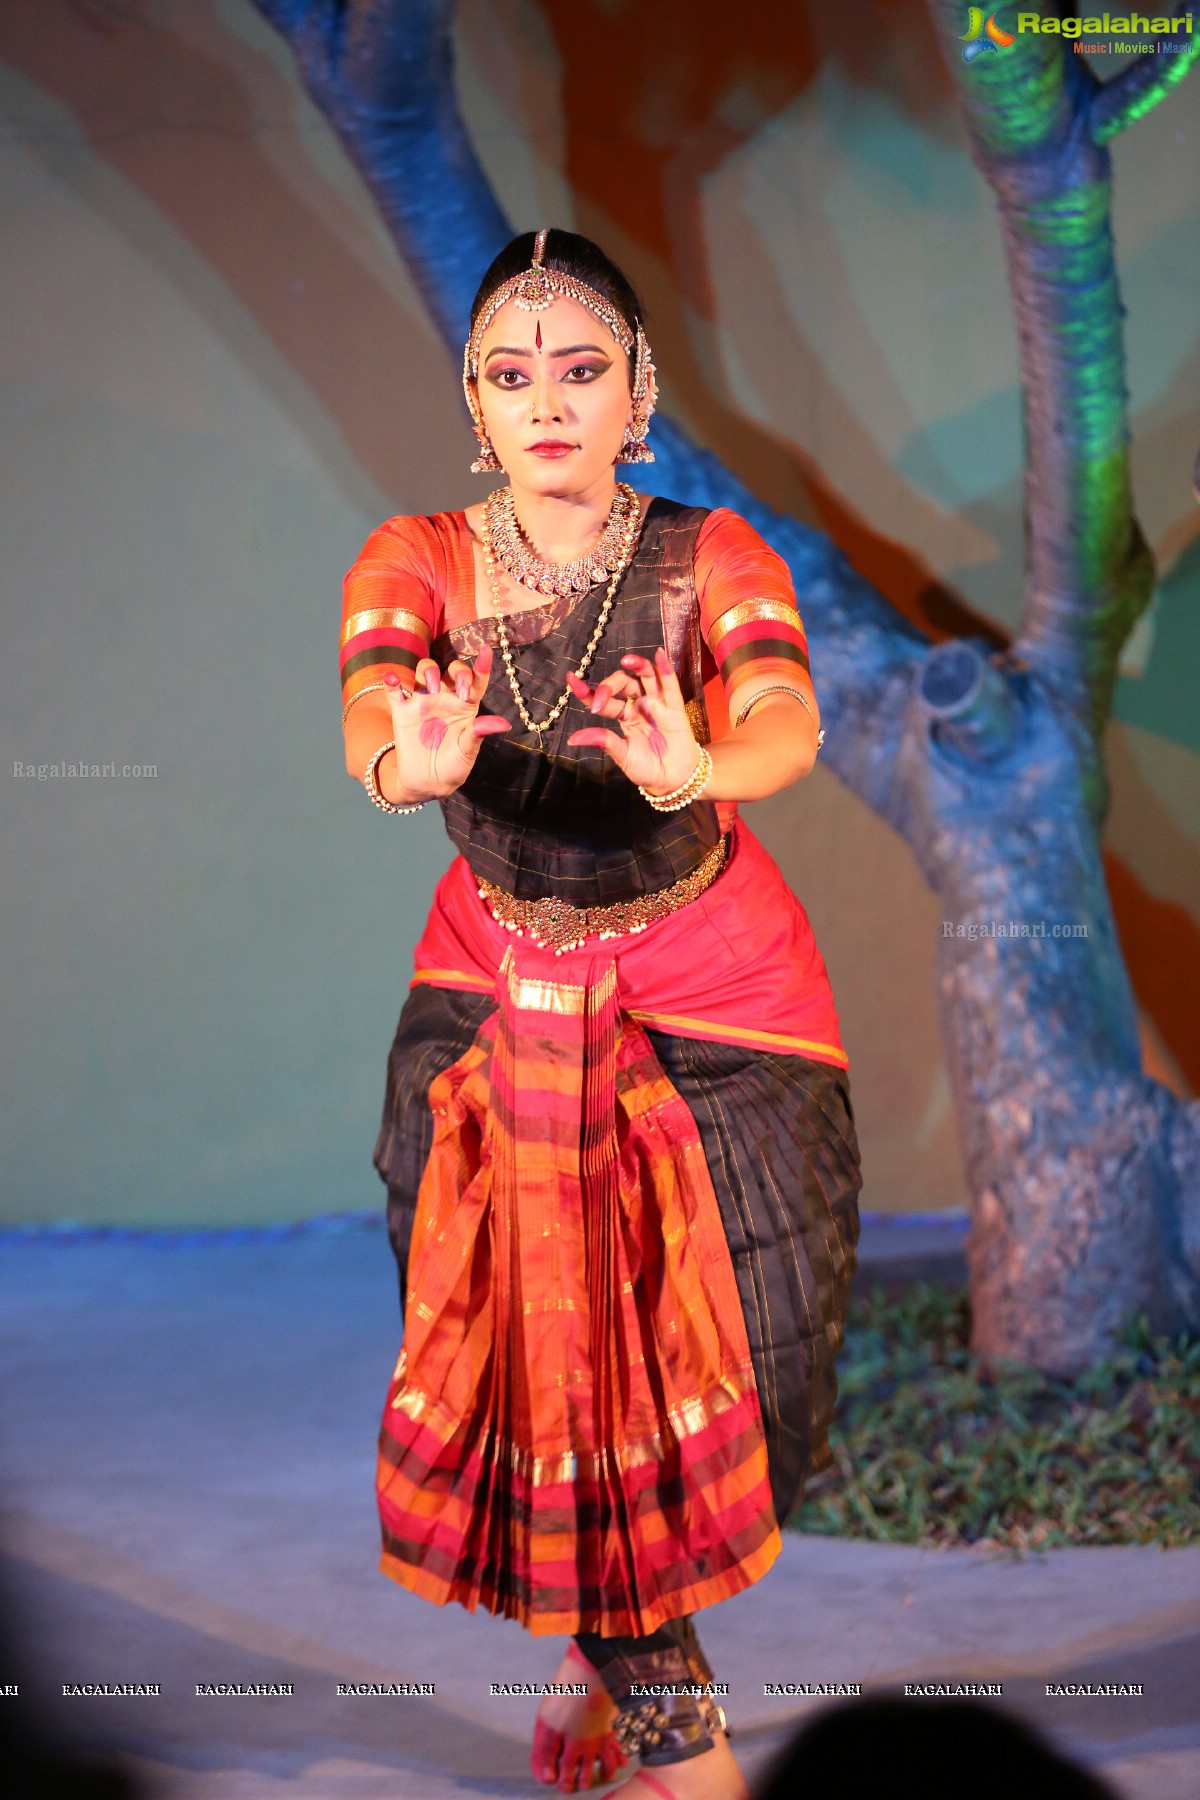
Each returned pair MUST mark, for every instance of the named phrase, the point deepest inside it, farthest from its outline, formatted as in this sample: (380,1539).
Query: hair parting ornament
(533,290)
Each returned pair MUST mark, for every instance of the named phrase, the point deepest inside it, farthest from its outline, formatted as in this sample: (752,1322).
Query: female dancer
(617,1138)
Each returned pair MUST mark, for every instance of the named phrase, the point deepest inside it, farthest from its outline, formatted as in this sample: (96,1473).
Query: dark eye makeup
(578,374)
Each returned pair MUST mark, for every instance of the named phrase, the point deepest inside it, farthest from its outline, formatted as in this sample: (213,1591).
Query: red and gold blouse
(415,578)
(415,582)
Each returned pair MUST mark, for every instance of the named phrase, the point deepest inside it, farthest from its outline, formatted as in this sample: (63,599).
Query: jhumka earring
(634,448)
(534,289)
(487,461)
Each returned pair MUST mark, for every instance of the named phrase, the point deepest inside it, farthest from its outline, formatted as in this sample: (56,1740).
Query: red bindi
(538,338)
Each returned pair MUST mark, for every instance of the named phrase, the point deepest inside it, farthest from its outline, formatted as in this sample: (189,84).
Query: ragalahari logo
(983,33)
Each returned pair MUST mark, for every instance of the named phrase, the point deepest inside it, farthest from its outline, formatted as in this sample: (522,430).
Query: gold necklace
(633,527)
(521,561)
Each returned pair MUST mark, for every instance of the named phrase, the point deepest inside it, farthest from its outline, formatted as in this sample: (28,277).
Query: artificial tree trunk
(1083,1174)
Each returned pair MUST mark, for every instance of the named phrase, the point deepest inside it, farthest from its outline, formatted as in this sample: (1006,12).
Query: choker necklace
(630,532)
(520,560)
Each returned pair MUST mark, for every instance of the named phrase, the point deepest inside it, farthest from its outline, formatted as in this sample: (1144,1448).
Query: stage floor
(187,1442)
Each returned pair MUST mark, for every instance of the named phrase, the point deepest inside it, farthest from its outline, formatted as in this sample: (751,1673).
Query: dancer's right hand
(437,729)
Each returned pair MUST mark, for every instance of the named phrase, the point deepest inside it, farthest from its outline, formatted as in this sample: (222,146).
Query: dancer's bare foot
(573,1743)
(713,1776)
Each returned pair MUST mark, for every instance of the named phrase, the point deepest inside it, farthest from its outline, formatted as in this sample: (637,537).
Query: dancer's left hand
(655,745)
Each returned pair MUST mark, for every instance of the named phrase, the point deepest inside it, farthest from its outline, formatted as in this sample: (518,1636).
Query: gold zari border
(528,994)
(548,1471)
(747,611)
(378,618)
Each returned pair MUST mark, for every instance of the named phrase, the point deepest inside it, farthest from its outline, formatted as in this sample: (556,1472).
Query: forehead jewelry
(536,288)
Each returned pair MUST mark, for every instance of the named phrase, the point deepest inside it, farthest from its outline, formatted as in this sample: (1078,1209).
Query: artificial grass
(930,1446)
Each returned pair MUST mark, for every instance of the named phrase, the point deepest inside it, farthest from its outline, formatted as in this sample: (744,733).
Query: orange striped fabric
(572,1435)
(748,614)
(394,597)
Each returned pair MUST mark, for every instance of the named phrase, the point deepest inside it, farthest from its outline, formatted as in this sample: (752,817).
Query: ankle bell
(668,1728)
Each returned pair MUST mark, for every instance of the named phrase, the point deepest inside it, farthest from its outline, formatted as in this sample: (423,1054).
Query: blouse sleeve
(748,613)
(390,607)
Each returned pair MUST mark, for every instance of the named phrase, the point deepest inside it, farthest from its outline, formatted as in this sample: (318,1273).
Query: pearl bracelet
(371,783)
(689,791)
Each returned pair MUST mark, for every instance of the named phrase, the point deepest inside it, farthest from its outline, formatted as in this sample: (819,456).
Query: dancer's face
(554,392)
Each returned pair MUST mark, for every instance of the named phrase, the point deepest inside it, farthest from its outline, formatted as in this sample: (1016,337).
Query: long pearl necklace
(633,525)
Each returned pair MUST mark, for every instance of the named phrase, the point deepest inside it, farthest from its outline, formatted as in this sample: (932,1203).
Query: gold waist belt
(557,925)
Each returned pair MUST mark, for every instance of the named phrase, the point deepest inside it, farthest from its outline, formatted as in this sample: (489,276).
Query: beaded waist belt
(557,925)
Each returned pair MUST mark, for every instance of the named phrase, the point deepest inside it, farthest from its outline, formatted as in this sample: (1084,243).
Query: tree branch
(287,16)
(1089,573)
(382,71)
(1139,87)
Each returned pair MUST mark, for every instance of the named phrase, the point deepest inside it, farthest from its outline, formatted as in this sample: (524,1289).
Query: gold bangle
(688,791)
(780,687)
(371,783)
(354,700)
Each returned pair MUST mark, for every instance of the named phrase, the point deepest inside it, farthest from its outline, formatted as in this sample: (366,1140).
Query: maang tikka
(534,289)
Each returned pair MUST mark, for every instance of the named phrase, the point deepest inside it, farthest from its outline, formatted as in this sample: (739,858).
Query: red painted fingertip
(489,726)
(392,680)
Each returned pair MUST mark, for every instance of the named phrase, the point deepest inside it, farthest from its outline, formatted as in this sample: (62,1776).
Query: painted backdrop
(215,379)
